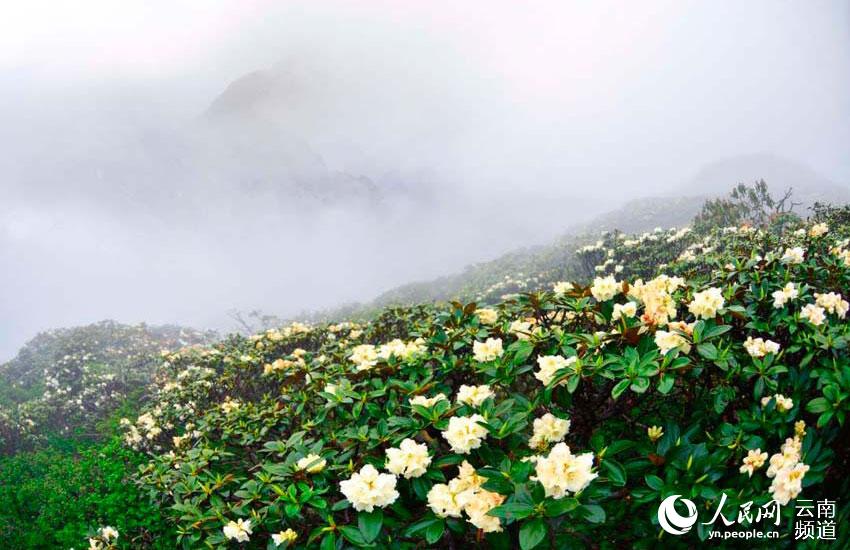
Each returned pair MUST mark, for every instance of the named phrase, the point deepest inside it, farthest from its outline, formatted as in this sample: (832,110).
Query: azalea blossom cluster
(312,464)
(754,460)
(561,472)
(789,292)
(624,311)
(369,488)
(464,433)
(562,287)
(229,405)
(783,404)
(474,395)
(550,364)
(668,340)
(656,296)
(605,288)
(795,255)
(548,429)
(843,253)
(818,230)
(428,401)
(487,316)
(523,329)
(814,314)
(366,356)
(284,537)
(410,459)
(695,250)
(787,471)
(239,530)
(833,303)
(706,303)
(465,494)
(106,537)
(759,347)
(489,350)
(145,427)
(295,359)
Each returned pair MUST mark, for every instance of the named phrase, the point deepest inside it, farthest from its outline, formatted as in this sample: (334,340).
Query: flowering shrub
(557,418)
(70,379)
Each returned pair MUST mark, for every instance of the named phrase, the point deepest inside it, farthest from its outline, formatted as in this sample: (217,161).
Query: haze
(145,177)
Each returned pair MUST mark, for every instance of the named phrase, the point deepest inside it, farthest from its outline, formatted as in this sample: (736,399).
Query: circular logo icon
(673,522)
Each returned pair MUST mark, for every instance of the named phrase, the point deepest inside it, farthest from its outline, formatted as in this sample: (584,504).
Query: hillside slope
(66,380)
(535,267)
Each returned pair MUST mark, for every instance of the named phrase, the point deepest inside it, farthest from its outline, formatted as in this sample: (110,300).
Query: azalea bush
(557,418)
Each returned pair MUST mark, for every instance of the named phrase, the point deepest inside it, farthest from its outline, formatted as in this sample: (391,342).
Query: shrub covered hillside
(716,369)
(62,467)
(63,382)
(530,268)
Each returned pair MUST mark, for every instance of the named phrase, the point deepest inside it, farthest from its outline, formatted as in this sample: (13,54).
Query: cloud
(376,142)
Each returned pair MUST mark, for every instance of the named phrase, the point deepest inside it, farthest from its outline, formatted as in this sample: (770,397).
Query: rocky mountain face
(273,131)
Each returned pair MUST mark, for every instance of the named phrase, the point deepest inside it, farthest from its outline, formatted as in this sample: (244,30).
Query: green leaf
(818,405)
(654,482)
(532,533)
(522,349)
(665,383)
(709,351)
(592,513)
(520,471)
(640,384)
(499,484)
(353,535)
(616,472)
(422,525)
(697,331)
(421,486)
(434,532)
(619,388)
(370,524)
(276,446)
(341,504)
(722,396)
(716,331)
(561,506)
(512,510)
(824,419)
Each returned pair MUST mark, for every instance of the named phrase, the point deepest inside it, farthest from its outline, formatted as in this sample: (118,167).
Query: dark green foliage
(57,497)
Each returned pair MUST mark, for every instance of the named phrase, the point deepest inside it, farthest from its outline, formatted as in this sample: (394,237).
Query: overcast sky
(499,122)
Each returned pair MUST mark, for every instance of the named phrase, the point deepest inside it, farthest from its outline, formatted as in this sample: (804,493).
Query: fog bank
(168,163)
